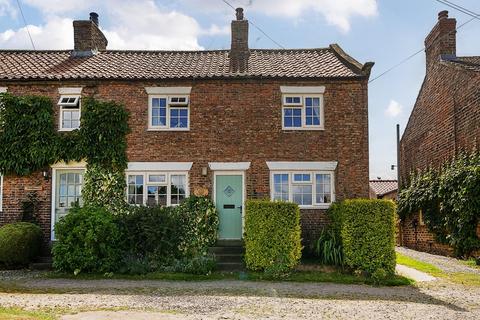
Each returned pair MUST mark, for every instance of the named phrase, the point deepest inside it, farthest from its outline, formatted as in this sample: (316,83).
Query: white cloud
(336,12)
(55,34)
(138,24)
(394,109)
(6,8)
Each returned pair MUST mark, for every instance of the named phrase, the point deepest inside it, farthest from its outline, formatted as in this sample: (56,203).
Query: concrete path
(414,274)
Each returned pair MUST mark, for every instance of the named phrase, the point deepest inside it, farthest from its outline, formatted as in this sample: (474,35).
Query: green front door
(229,201)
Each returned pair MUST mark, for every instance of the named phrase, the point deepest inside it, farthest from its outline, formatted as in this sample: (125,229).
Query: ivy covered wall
(30,143)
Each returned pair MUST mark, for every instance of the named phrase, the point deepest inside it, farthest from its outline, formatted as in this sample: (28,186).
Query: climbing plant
(449,198)
(29,142)
(103,133)
(27,134)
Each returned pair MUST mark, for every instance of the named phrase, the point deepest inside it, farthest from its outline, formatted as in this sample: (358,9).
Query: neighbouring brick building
(445,119)
(240,123)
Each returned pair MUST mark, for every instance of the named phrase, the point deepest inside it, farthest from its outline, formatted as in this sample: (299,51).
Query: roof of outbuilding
(329,62)
(382,187)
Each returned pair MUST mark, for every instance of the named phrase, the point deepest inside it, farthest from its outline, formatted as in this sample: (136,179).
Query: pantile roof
(329,62)
(383,187)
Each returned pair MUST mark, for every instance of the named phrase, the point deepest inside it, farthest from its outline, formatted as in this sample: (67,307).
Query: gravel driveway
(230,299)
(446,264)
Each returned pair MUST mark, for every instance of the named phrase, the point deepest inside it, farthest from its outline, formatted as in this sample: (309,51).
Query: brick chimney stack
(88,39)
(239,51)
(441,42)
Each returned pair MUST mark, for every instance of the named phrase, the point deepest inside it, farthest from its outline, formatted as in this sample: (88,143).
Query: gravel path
(230,299)
(446,264)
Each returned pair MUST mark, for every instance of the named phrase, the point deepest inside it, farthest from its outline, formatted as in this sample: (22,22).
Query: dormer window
(69,112)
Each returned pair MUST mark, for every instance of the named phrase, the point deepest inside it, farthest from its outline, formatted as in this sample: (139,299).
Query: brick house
(241,123)
(445,119)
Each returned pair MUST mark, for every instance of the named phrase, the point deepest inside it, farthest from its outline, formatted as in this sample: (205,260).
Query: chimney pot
(443,15)
(94,17)
(239,13)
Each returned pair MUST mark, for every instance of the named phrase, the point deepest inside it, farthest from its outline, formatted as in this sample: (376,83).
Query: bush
(198,219)
(328,248)
(272,235)
(367,232)
(200,265)
(20,243)
(151,233)
(88,240)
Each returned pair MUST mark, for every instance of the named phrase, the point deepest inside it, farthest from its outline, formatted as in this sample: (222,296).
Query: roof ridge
(164,51)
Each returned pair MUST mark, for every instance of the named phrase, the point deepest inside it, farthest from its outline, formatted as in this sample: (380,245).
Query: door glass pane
(68,191)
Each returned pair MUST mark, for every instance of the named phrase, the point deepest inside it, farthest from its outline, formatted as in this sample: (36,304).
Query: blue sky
(384,31)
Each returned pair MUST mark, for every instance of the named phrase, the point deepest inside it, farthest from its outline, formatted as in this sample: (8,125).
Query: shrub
(198,219)
(272,235)
(151,233)
(200,265)
(88,240)
(20,243)
(328,248)
(367,232)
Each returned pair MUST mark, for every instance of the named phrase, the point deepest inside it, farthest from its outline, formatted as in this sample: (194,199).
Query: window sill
(168,129)
(317,206)
(68,130)
(304,129)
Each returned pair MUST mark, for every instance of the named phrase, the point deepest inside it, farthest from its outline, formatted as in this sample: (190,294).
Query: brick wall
(231,120)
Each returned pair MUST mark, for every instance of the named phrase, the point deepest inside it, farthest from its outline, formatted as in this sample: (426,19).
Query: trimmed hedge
(367,232)
(88,240)
(20,243)
(272,235)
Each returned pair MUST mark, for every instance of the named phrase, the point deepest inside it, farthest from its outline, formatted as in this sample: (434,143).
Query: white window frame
(303,107)
(169,105)
(69,106)
(312,182)
(167,183)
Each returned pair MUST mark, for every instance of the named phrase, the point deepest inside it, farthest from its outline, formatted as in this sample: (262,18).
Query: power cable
(256,27)
(26,25)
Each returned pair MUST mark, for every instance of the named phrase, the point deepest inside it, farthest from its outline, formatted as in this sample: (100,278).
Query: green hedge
(367,231)
(88,240)
(20,243)
(272,235)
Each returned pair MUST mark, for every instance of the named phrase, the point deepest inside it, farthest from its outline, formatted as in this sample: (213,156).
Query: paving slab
(414,274)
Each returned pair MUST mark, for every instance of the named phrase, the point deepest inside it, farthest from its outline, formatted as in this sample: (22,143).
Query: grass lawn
(295,276)
(19,314)
(472,279)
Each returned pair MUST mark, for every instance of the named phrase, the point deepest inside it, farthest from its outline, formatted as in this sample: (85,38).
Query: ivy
(28,138)
(103,133)
(449,198)
(30,143)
